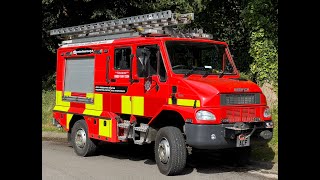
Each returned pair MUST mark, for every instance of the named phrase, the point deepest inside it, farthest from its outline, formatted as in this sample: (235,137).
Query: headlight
(267,113)
(205,115)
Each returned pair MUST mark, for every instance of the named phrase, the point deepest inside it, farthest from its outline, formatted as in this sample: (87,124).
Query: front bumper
(224,135)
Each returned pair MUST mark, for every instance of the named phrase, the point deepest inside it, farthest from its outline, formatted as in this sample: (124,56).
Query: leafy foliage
(222,19)
(49,82)
(261,19)
(262,14)
(265,55)
(248,26)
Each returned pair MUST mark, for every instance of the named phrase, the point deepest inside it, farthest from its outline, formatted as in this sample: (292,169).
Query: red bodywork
(195,87)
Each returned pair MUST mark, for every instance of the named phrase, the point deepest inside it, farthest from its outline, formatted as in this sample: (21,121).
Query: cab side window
(150,55)
(122,58)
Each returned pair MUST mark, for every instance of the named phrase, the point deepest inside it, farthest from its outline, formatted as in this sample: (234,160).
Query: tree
(248,26)
(222,19)
(261,19)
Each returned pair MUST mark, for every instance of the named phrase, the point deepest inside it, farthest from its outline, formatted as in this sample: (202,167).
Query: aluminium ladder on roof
(153,23)
(146,22)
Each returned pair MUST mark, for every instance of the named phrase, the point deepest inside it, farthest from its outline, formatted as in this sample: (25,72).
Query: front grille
(236,99)
(240,114)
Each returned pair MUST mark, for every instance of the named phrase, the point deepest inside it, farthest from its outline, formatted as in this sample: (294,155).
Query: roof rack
(147,24)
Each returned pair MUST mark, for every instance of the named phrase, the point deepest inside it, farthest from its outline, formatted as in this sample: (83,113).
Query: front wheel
(81,143)
(170,151)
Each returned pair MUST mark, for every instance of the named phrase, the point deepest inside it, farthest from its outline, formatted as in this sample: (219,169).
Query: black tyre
(81,143)
(170,151)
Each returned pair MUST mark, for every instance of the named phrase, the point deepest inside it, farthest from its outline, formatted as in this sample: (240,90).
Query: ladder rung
(126,24)
(153,24)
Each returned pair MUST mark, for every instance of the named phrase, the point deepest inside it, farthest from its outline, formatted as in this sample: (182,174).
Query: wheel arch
(168,118)
(73,120)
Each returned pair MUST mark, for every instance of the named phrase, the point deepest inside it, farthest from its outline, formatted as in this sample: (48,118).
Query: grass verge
(268,152)
(48,101)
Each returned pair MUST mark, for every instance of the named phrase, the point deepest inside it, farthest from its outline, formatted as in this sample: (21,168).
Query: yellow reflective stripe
(67,93)
(198,103)
(94,109)
(97,101)
(138,105)
(185,102)
(60,104)
(125,105)
(169,101)
(133,105)
(89,95)
(92,112)
(61,108)
(105,128)
(59,101)
(69,117)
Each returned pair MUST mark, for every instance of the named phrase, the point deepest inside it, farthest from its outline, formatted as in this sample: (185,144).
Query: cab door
(150,87)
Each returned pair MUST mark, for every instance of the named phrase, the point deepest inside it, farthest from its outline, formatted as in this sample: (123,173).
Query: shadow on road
(202,162)
(263,152)
(215,162)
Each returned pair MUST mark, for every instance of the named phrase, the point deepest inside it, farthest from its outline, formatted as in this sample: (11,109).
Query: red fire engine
(141,80)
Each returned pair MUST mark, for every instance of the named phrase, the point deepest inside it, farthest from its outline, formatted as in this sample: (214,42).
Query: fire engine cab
(141,80)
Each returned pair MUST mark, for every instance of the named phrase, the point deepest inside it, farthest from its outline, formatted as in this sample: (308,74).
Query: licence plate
(243,143)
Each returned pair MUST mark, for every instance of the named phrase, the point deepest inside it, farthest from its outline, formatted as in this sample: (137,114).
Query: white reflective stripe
(86,43)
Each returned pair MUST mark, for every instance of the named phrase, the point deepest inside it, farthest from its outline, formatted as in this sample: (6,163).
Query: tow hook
(242,137)
(239,130)
(254,129)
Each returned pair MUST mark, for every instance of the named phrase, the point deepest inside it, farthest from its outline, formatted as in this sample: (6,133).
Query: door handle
(134,80)
(113,80)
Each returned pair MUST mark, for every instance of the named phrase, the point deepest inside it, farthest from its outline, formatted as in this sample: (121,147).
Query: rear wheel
(81,143)
(170,151)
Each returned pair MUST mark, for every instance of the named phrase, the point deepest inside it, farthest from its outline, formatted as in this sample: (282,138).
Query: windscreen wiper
(189,73)
(206,74)
(221,74)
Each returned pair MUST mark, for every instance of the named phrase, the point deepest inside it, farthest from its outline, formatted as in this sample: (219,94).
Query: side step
(126,126)
(131,132)
(122,138)
(143,128)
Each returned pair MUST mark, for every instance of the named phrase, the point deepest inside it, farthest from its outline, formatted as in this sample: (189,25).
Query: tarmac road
(120,161)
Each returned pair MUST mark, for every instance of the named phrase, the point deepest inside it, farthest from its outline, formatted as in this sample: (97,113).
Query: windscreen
(188,57)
